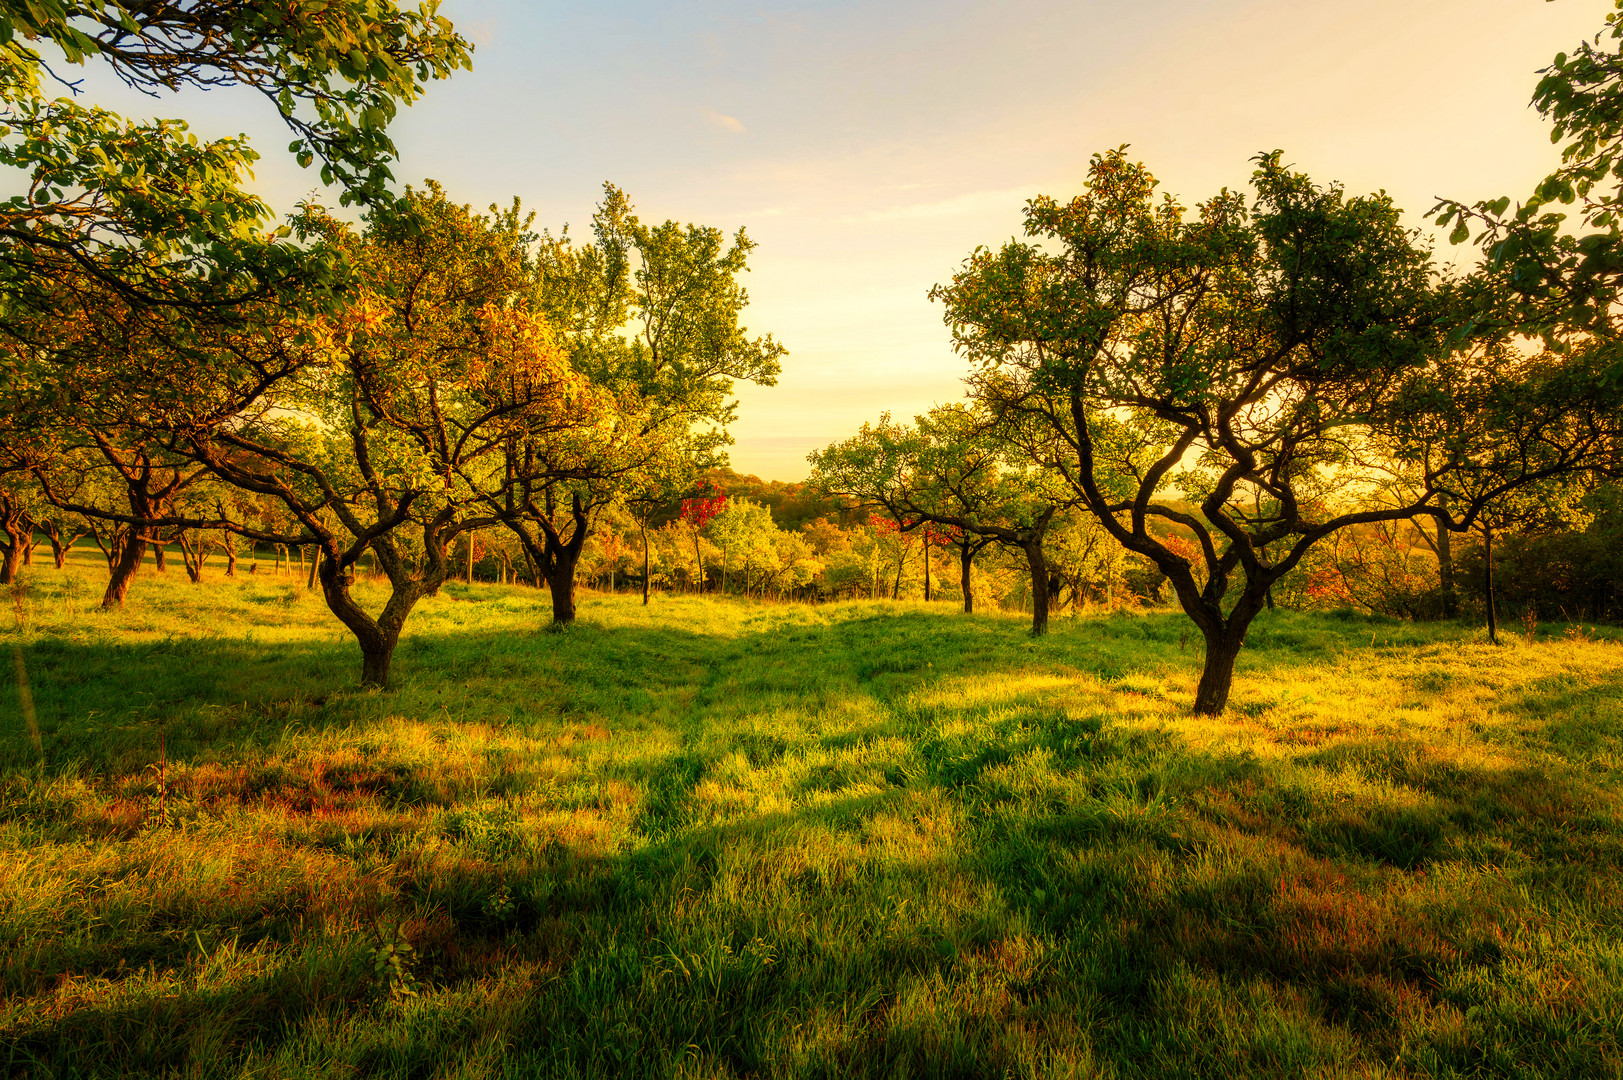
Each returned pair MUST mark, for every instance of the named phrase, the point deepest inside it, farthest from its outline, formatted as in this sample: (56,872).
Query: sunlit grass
(723,839)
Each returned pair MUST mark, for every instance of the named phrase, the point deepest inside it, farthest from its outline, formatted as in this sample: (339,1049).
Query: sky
(869,147)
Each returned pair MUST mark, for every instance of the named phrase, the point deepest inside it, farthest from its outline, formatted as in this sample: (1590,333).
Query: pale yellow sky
(869,146)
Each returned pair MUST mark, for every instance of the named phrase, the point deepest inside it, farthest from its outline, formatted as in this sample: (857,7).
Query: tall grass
(710,838)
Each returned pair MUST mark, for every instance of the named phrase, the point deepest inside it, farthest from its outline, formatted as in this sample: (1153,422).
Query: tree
(145,209)
(391,413)
(950,470)
(1228,351)
(650,315)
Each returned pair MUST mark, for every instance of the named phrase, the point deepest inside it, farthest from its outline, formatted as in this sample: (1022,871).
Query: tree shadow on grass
(1103,898)
(989,886)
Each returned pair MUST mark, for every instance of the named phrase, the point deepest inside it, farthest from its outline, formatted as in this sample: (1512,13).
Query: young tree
(649,315)
(1229,349)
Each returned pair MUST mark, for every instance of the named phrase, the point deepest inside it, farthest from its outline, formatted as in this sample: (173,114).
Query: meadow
(714,838)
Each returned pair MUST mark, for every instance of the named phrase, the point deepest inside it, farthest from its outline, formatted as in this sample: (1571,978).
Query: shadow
(994,883)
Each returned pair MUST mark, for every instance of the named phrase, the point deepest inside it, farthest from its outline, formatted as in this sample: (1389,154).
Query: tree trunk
(965,558)
(231,558)
(158,555)
(130,553)
(1487,582)
(644,563)
(193,558)
(375,664)
(315,561)
(1222,649)
(11,559)
(376,637)
(1039,585)
(926,568)
(470,558)
(58,552)
(561,583)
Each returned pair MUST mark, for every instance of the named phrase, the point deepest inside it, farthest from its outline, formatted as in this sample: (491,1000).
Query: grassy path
(719,839)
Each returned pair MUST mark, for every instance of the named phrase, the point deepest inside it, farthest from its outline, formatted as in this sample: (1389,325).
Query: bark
(315,561)
(552,555)
(1222,649)
(10,560)
(158,555)
(58,552)
(926,568)
(561,583)
(1487,583)
(1039,584)
(193,555)
(558,558)
(377,637)
(230,545)
(130,552)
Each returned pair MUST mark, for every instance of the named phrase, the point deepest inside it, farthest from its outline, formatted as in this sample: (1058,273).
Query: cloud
(731,124)
(972,203)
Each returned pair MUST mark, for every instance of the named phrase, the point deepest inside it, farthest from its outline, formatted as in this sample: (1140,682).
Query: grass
(868,839)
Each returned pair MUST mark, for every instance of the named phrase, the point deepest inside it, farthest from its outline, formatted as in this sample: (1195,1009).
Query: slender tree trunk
(926,568)
(315,561)
(230,543)
(192,557)
(470,558)
(124,569)
(158,562)
(1487,582)
(1039,585)
(644,524)
(965,558)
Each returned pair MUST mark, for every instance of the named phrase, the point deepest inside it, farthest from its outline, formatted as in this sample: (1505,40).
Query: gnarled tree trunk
(130,544)
(15,527)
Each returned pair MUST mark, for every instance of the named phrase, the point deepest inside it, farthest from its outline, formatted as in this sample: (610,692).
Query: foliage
(146,210)
(1237,352)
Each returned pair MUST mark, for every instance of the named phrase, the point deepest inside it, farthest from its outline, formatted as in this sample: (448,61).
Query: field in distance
(715,838)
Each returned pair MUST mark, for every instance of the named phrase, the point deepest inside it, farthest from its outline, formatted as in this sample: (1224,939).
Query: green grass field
(712,838)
